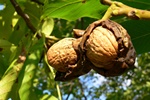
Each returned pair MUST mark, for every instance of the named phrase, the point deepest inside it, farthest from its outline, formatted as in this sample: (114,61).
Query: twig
(82,90)
(24,16)
(108,13)
(118,8)
(70,90)
(106,2)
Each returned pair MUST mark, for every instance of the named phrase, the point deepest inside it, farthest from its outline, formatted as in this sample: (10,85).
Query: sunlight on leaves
(74,9)
(47,26)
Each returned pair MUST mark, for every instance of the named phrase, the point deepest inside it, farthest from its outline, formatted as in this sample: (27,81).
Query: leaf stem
(108,13)
(118,8)
(58,91)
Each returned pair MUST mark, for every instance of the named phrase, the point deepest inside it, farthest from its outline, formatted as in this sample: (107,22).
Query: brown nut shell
(62,54)
(101,47)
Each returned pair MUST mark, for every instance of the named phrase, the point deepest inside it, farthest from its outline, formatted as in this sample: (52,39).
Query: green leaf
(20,30)
(25,90)
(6,16)
(48,97)
(140,34)
(47,26)
(8,50)
(28,73)
(140,4)
(3,65)
(74,9)
(9,78)
(34,12)
(4,43)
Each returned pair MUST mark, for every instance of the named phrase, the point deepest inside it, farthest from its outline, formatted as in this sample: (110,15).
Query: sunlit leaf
(27,75)
(48,97)
(74,9)
(9,78)
(47,26)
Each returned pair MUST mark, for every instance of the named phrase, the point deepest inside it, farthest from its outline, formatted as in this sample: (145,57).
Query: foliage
(24,72)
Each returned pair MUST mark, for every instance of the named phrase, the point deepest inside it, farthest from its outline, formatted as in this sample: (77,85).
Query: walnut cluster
(105,47)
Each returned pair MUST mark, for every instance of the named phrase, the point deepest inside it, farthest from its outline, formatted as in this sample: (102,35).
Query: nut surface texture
(102,47)
(62,54)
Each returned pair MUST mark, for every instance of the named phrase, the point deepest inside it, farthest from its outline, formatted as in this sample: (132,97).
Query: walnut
(62,54)
(108,46)
(64,57)
(102,47)
(105,47)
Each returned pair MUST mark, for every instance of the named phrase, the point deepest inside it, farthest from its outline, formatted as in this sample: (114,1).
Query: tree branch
(70,90)
(106,2)
(24,16)
(118,8)
(82,90)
